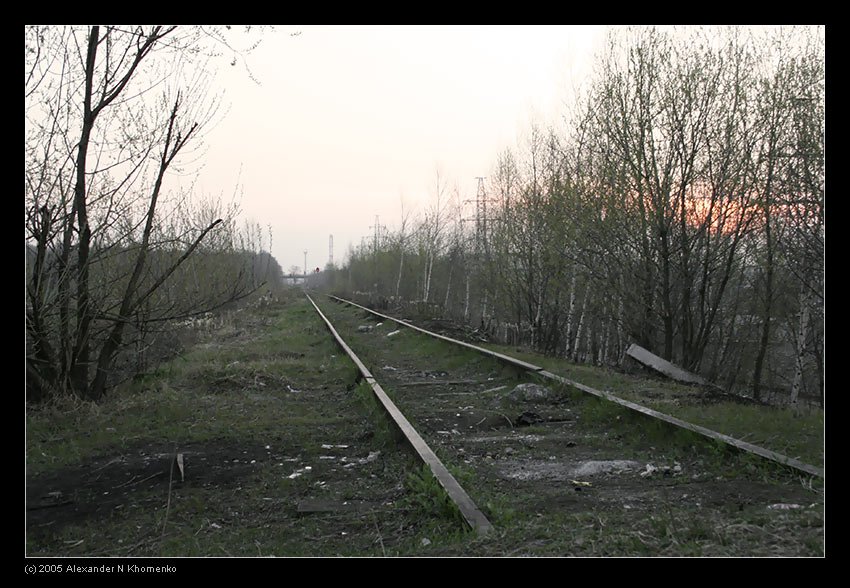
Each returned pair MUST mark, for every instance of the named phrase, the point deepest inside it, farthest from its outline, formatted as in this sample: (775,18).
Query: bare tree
(110,111)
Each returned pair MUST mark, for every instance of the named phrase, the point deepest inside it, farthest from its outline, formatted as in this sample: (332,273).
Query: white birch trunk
(620,343)
(449,287)
(801,348)
(580,325)
(570,312)
(400,269)
(466,302)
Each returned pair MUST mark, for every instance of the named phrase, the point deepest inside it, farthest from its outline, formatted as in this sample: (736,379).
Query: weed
(425,494)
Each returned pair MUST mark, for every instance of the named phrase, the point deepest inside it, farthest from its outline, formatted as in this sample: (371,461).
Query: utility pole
(331,250)
(305,265)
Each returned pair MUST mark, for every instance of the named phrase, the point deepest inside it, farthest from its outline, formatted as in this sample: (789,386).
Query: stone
(531,393)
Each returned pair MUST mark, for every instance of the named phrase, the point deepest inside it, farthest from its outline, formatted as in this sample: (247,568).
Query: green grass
(783,430)
(277,380)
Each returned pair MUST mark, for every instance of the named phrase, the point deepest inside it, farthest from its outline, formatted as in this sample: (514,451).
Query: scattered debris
(425,542)
(325,446)
(784,506)
(394,333)
(528,418)
(373,455)
(364,329)
(666,471)
(579,483)
(297,473)
(389,368)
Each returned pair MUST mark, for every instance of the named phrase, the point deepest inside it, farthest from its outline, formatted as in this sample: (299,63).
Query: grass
(783,430)
(268,397)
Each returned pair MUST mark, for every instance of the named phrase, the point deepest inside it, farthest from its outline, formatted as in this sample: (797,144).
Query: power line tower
(481,217)
(482,248)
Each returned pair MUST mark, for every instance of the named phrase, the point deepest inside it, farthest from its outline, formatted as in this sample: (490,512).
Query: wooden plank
(737,443)
(470,512)
(663,366)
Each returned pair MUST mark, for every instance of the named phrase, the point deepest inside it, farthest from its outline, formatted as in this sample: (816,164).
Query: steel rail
(714,435)
(470,512)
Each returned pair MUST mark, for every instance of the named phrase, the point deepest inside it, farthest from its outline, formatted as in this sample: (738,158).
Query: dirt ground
(554,459)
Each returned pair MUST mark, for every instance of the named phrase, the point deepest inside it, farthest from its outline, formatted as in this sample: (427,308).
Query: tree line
(115,251)
(681,208)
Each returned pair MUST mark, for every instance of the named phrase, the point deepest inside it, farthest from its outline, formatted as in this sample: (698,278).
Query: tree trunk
(577,346)
(82,346)
(766,313)
(400,270)
(570,312)
(448,289)
(466,302)
(801,347)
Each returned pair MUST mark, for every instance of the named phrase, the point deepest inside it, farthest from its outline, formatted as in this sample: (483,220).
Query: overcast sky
(348,120)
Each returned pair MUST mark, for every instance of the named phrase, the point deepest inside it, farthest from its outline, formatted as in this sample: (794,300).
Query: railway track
(470,512)
(543,456)
(768,454)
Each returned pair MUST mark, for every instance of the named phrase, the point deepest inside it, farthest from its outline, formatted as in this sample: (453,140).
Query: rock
(650,469)
(531,393)
(613,466)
